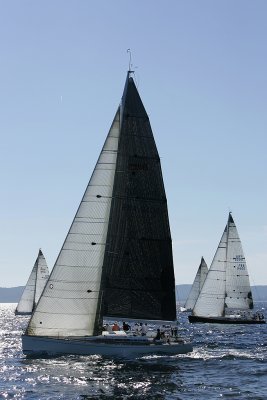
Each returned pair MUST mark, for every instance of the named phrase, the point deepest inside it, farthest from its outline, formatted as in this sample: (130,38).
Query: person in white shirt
(144,329)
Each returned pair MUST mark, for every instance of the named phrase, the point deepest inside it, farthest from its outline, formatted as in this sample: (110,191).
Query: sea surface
(228,362)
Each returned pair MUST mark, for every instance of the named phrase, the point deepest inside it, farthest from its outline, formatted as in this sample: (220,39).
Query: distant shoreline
(259,292)
(13,294)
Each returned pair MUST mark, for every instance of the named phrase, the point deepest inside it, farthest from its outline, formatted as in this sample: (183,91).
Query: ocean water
(228,362)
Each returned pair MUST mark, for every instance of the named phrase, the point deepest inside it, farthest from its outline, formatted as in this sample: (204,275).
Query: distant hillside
(12,295)
(259,293)
(182,292)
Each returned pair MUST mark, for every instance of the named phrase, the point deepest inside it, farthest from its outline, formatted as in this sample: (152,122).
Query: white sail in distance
(34,286)
(197,285)
(237,291)
(227,286)
(210,301)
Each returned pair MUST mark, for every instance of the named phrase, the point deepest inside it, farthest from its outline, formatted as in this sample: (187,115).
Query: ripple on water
(227,362)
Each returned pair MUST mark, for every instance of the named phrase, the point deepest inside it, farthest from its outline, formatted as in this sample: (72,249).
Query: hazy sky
(201,71)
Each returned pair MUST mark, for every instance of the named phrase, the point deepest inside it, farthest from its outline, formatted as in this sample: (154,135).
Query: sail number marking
(240,259)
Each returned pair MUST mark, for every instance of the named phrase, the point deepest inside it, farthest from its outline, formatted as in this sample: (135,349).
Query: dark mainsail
(138,276)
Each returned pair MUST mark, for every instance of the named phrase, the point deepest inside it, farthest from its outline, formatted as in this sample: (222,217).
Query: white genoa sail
(227,283)
(34,287)
(68,306)
(197,285)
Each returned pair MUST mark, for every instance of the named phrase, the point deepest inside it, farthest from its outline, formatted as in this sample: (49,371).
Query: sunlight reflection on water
(219,354)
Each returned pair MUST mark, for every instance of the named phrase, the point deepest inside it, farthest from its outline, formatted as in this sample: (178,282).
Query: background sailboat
(226,294)
(34,286)
(116,260)
(197,285)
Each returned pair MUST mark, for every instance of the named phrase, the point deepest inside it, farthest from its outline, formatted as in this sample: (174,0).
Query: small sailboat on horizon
(116,261)
(34,286)
(226,296)
(197,286)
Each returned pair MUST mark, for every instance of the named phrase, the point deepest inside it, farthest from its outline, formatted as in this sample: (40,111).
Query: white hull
(34,346)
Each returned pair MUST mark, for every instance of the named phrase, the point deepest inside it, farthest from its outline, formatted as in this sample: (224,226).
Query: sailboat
(116,261)
(226,296)
(34,286)
(197,286)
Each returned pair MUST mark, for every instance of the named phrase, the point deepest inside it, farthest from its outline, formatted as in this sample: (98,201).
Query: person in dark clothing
(125,326)
(158,335)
